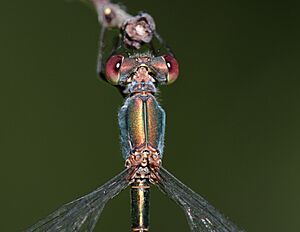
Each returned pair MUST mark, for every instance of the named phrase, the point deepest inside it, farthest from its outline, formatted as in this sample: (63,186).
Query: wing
(201,216)
(82,214)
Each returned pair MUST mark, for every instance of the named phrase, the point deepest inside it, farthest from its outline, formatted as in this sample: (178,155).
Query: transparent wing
(201,216)
(82,214)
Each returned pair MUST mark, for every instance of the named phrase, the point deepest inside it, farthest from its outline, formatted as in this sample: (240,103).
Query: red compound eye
(112,68)
(173,68)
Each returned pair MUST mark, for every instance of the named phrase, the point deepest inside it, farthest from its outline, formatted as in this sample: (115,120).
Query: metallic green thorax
(142,124)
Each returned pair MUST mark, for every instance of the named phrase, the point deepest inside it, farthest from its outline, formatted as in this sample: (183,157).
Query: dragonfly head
(142,72)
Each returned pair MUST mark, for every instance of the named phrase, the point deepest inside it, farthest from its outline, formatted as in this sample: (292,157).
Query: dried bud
(138,30)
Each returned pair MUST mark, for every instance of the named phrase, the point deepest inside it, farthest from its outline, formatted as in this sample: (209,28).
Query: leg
(100,61)
(100,65)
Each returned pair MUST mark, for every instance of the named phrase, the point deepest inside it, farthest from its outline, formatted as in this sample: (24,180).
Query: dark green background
(233,124)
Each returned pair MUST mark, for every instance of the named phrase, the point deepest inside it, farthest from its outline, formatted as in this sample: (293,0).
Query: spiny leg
(100,65)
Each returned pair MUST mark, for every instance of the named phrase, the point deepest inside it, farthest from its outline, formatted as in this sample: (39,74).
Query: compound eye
(112,69)
(173,68)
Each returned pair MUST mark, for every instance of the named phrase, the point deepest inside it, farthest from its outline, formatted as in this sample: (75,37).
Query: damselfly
(142,129)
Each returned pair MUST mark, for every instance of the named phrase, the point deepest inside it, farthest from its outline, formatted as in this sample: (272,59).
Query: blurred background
(233,124)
